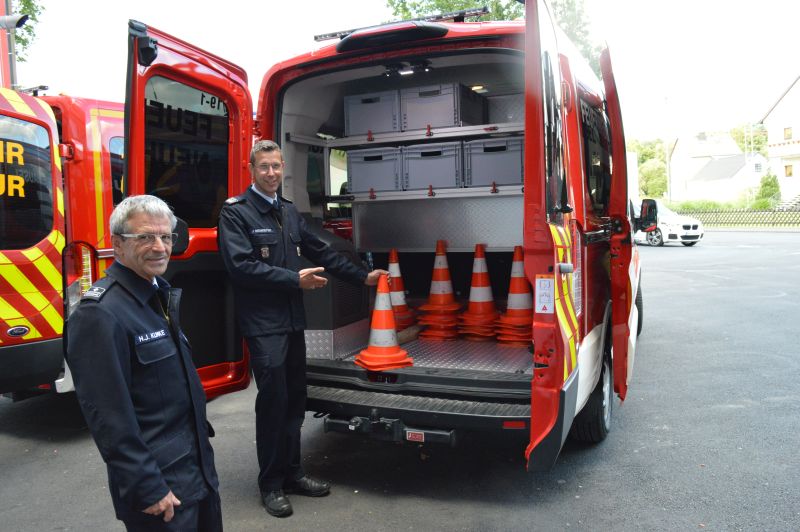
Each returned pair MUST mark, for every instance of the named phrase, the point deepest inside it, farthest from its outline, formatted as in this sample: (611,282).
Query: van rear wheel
(593,423)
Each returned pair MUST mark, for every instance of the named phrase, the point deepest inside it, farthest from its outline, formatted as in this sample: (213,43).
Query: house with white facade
(782,123)
(728,179)
(689,154)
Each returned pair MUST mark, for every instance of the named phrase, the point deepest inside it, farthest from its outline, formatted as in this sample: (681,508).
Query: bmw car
(672,227)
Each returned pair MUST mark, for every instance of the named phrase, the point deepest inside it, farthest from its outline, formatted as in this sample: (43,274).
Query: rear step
(344,405)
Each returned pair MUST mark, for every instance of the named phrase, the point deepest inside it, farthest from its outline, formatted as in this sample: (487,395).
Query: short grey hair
(133,205)
(263,145)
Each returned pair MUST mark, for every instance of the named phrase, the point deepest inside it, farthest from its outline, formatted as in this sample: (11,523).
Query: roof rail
(455,16)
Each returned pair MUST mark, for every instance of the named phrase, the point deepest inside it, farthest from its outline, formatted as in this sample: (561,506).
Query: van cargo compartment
(497,161)
(436,165)
(378,112)
(445,105)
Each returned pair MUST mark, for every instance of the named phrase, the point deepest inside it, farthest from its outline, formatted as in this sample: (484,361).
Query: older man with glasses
(136,382)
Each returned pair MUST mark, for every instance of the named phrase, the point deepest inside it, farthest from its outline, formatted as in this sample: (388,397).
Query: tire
(689,244)
(639,309)
(655,238)
(593,423)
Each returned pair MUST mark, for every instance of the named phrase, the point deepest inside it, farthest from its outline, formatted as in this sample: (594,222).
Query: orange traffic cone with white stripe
(441,309)
(383,351)
(403,316)
(476,323)
(515,326)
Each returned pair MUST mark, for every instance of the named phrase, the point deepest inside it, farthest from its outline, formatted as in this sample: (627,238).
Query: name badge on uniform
(147,337)
(265,252)
(298,251)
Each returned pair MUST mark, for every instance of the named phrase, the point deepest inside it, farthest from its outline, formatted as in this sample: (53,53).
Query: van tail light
(80,272)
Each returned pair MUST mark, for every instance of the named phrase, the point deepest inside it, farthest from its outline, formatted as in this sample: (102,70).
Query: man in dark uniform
(137,385)
(261,239)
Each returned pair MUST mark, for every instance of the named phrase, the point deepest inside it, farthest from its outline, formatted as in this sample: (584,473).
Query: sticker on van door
(544,294)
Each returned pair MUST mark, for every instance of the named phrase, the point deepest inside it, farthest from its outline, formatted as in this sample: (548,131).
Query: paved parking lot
(707,439)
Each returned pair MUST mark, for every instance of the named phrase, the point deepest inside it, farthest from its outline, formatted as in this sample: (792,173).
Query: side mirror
(182,242)
(649,215)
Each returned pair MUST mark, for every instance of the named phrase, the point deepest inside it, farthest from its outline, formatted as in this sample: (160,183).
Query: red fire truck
(422,115)
(62,174)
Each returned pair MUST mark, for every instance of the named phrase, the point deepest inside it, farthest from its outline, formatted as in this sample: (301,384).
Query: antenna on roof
(455,16)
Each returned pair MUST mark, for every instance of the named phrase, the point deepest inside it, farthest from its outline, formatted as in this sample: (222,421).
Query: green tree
(751,138)
(646,150)
(653,178)
(498,9)
(569,14)
(769,193)
(25,35)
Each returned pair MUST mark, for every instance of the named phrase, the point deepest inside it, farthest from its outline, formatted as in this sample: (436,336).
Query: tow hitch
(386,429)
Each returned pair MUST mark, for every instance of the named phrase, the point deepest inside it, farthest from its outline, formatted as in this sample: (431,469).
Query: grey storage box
(378,112)
(375,168)
(438,165)
(507,108)
(493,160)
(441,106)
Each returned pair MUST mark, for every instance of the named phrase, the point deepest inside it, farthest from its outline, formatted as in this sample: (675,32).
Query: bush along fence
(747,219)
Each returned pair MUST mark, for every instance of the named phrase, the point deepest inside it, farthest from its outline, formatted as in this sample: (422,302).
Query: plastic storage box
(493,160)
(441,106)
(378,112)
(507,108)
(438,165)
(375,168)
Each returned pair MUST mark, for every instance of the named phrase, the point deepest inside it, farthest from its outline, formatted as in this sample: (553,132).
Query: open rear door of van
(621,237)
(188,133)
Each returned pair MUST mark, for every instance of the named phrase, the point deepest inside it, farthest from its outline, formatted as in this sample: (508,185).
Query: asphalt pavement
(707,439)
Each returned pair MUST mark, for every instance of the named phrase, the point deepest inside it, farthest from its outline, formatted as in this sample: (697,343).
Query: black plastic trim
(28,365)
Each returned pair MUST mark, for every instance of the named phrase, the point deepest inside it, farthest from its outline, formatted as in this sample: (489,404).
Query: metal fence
(747,218)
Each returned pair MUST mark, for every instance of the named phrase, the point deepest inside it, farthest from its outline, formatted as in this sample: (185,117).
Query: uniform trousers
(204,515)
(279,369)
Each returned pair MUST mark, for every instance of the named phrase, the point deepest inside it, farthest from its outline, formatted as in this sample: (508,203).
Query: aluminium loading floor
(466,355)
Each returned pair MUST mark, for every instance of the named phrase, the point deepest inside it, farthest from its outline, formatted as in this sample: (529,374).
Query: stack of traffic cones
(440,312)
(514,328)
(403,316)
(383,351)
(477,322)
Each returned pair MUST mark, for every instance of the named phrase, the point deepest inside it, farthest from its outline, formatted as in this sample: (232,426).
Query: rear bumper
(343,405)
(28,365)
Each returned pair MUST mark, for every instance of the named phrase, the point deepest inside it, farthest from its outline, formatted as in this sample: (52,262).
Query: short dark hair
(263,145)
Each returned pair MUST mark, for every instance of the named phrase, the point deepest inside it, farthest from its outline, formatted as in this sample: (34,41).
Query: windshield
(26,184)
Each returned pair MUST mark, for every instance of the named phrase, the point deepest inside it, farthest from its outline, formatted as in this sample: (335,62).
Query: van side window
(119,185)
(597,156)
(555,181)
(186,150)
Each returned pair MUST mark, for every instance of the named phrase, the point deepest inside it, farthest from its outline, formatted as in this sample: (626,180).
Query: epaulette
(98,289)
(235,199)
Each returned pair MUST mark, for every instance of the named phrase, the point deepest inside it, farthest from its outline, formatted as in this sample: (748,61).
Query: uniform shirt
(262,248)
(139,391)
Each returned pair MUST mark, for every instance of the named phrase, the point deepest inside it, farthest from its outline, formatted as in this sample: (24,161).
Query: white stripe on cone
(479,266)
(394,270)
(517,269)
(440,262)
(441,287)
(520,301)
(480,294)
(383,301)
(398,298)
(382,338)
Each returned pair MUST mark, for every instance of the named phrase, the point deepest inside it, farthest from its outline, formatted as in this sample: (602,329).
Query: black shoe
(308,486)
(276,503)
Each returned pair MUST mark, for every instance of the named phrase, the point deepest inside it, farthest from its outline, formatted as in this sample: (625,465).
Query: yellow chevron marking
(97,150)
(33,333)
(45,267)
(53,318)
(4,259)
(26,289)
(568,303)
(572,353)
(60,199)
(110,113)
(17,102)
(566,371)
(56,238)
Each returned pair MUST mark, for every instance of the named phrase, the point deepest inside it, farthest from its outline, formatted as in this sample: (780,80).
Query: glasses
(149,239)
(264,168)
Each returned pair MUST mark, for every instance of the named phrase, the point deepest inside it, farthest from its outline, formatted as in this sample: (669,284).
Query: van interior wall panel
(416,224)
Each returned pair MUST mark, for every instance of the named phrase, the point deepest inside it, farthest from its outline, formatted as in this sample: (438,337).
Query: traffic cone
(383,351)
(515,326)
(403,316)
(439,313)
(476,323)
(441,298)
